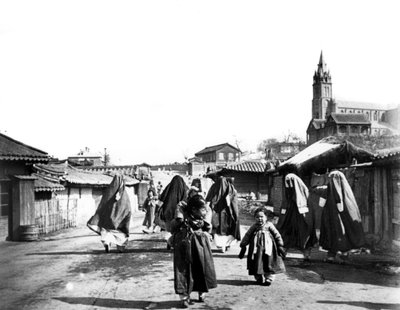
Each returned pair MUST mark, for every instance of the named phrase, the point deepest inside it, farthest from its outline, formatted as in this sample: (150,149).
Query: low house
(83,190)
(248,177)
(16,185)
(374,180)
(318,158)
(218,156)
(86,158)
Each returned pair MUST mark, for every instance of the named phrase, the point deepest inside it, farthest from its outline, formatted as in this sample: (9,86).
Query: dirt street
(71,271)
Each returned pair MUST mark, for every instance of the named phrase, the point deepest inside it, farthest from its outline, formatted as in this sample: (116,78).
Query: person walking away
(112,217)
(266,252)
(223,200)
(193,262)
(149,207)
(297,222)
(341,225)
(173,193)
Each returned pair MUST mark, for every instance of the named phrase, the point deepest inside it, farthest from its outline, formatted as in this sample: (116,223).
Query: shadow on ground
(362,304)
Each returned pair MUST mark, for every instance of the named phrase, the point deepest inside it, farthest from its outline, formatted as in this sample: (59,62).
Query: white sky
(154,80)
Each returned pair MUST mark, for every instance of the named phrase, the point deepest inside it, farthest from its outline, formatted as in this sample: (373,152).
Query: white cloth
(113,237)
(301,190)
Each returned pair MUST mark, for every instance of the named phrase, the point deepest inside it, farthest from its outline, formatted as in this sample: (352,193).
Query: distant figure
(297,222)
(149,207)
(159,188)
(112,218)
(264,257)
(341,226)
(224,203)
(193,261)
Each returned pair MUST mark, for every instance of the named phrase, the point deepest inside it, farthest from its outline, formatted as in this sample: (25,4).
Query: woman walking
(112,218)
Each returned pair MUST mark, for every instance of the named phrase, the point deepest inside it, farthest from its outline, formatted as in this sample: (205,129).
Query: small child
(193,261)
(149,207)
(266,250)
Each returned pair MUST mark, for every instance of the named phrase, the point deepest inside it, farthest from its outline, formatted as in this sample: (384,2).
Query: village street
(70,270)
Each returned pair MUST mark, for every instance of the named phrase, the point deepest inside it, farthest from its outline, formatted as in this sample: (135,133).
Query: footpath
(387,262)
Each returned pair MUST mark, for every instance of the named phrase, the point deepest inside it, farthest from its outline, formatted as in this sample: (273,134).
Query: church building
(333,117)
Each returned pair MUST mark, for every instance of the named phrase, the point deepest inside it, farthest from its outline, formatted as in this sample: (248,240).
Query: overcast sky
(153,81)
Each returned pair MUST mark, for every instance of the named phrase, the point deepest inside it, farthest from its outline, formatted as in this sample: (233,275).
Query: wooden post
(377,203)
(23,204)
(385,206)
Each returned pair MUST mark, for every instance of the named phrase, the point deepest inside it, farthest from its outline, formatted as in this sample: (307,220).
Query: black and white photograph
(171,154)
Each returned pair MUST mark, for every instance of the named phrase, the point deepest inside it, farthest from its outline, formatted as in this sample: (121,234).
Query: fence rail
(55,214)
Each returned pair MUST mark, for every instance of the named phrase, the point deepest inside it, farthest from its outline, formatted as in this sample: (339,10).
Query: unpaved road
(71,271)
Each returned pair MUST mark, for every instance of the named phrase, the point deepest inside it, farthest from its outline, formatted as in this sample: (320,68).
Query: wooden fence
(55,214)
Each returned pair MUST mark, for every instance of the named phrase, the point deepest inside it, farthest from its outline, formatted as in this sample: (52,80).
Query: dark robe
(173,193)
(224,203)
(341,226)
(150,206)
(193,262)
(297,229)
(113,214)
(258,262)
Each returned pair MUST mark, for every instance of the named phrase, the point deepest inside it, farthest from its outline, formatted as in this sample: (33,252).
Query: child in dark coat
(193,261)
(266,251)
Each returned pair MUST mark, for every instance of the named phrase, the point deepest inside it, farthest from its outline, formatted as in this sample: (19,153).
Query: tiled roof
(43,183)
(350,118)
(11,149)
(77,176)
(387,153)
(215,148)
(128,170)
(56,169)
(72,175)
(359,105)
(248,166)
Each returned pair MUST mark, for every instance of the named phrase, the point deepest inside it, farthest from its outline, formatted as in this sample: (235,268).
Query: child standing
(266,251)
(149,207)
(193,262)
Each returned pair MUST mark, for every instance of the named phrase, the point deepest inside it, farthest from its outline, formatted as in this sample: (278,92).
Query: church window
(375,116)
(221,156)
(354,129)
(342,129)
(230,156)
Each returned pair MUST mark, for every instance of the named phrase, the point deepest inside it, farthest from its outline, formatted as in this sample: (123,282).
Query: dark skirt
(261,263)
(298,231)
(332,237)
(193,262)
(225,225)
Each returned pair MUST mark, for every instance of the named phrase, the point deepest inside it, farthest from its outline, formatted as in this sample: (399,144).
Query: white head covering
(344,194)
(300,189)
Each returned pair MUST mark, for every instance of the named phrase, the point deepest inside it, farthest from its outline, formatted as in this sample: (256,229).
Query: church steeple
(322,89)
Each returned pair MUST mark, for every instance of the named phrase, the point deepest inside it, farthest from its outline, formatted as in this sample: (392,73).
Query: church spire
(322,90)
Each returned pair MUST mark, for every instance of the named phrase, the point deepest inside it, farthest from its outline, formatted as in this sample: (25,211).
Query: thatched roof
(324,154)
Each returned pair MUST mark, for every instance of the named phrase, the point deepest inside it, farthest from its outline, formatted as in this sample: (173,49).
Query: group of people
(341,225)
(191,220)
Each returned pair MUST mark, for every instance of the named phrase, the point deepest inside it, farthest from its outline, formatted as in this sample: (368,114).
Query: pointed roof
(322,63)
(214,148)
(11,149)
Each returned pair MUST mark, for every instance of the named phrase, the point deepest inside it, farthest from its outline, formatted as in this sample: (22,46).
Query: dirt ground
(71,271)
